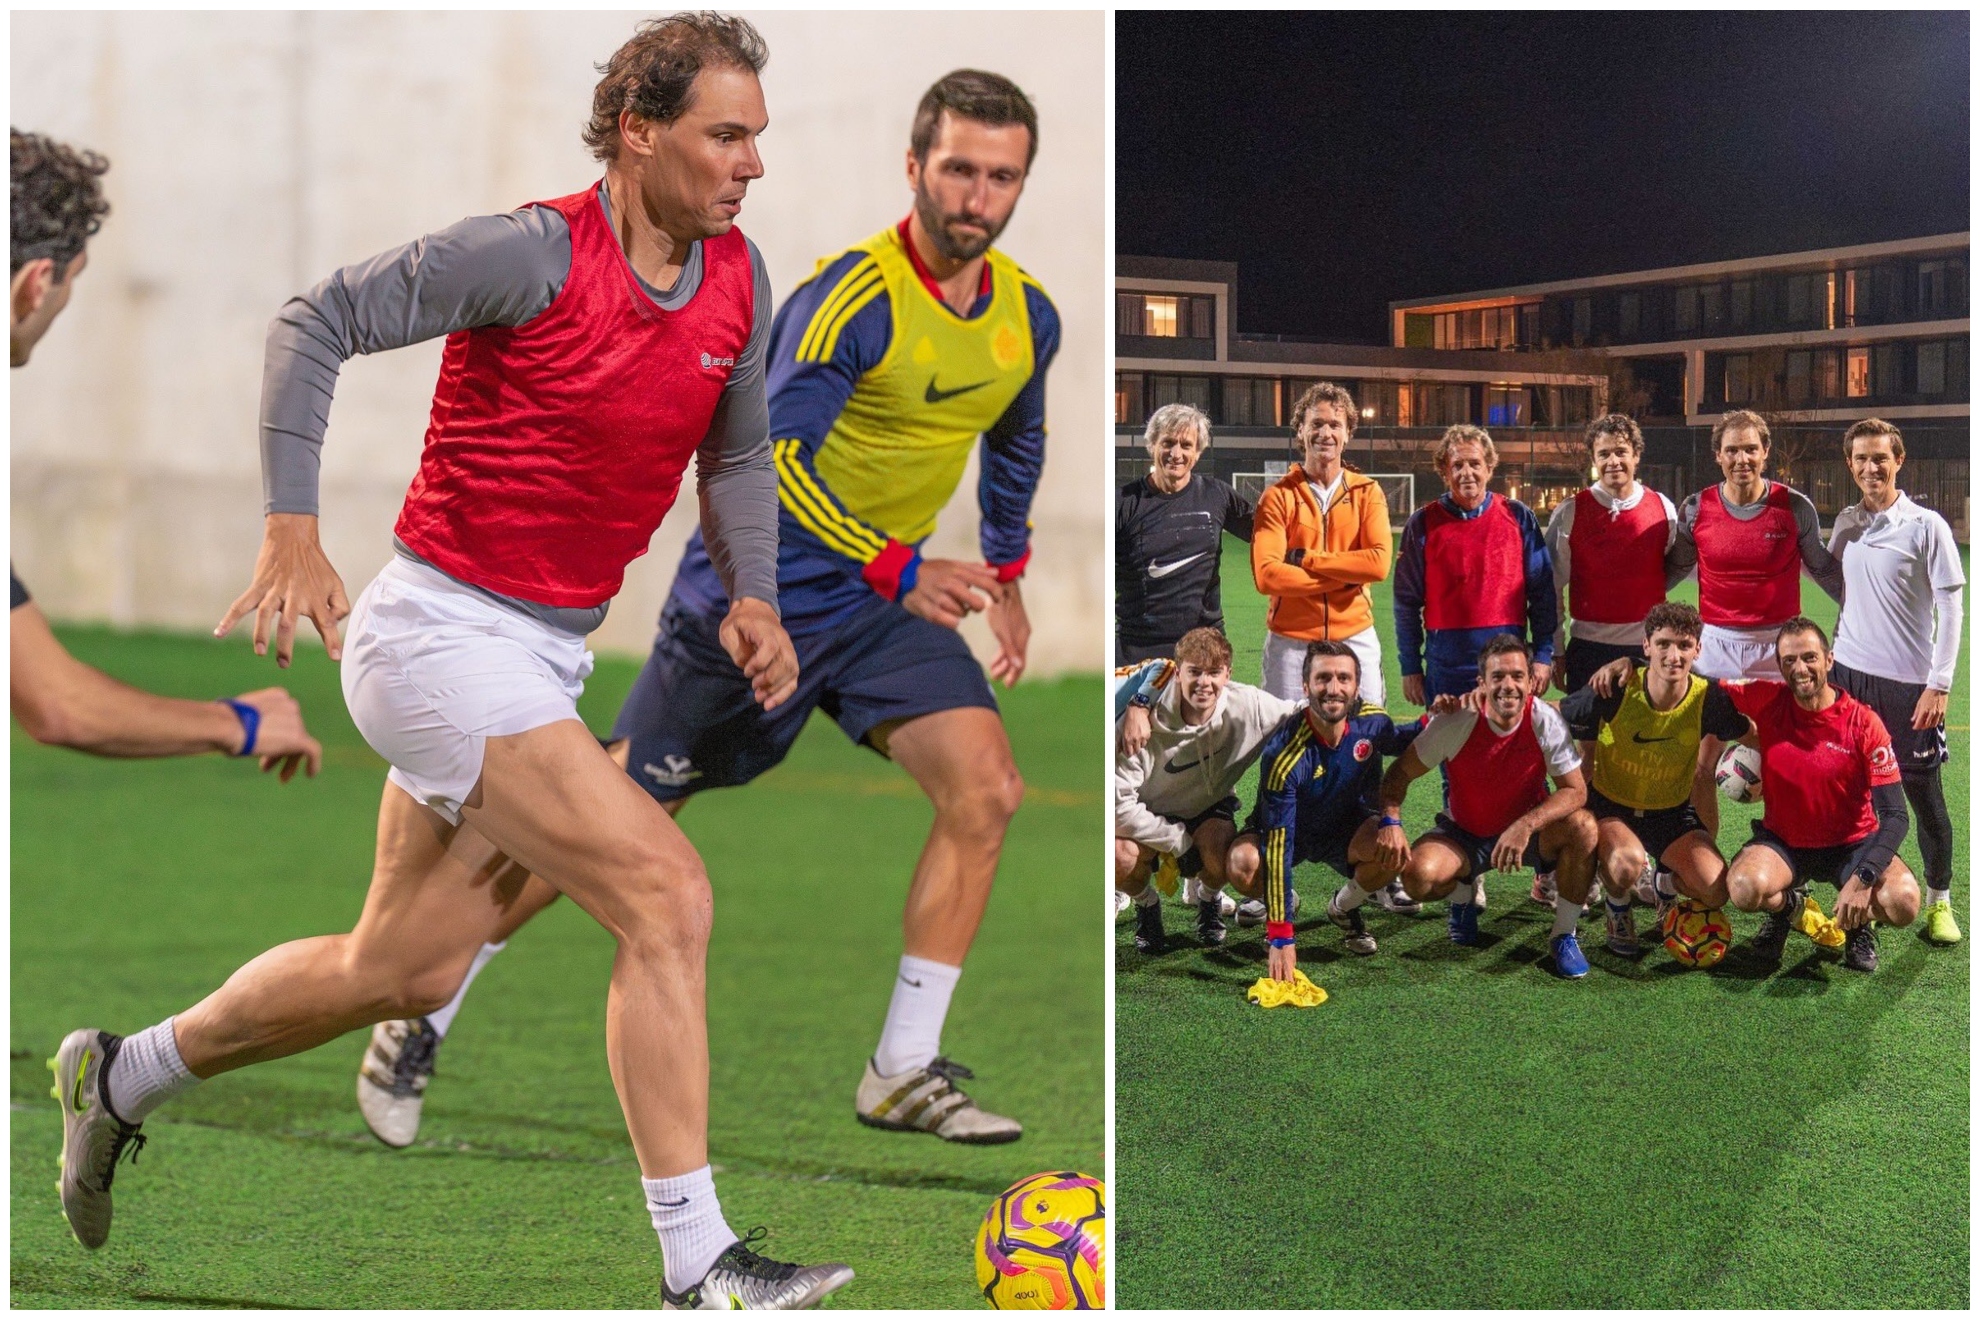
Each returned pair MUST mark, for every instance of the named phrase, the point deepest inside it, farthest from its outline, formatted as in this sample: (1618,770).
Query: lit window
(1856,378)
(1158,317)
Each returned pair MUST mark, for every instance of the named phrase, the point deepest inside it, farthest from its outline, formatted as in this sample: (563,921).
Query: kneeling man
(1500,815)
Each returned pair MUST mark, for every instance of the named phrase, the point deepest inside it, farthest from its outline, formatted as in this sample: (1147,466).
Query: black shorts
(1224,810)
(1919,751)
(1655,830)
(1478,851)
(1328,845)
(1584,658)
(694,724)
(1834,865)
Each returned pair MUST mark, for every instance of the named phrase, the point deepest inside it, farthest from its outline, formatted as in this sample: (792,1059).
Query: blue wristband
(250,723)
(1280,944)
(1391,820)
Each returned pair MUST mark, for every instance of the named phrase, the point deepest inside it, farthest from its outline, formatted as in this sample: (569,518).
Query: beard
(952,245)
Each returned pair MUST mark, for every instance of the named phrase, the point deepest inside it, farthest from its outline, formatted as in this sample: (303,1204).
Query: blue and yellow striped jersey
(878,394)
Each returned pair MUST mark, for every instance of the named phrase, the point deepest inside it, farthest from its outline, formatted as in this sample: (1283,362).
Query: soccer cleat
(391,1084)
(1770,941)
(1149,936)
(93,1138)
(1646,886)
(1621,931)
(1817,926)
(1940,927)
(1392,897)
(1358,939)
(1251,912)
(1544,892)
(928,1100)
(1462,923)
(1210,922)
(1860,954)
(741,1280)
(1569,962)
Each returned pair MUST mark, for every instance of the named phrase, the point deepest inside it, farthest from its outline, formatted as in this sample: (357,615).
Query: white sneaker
(93,1138)
(391,1084)
(928,1100)
(1646,886)
(1392,897)
(741,1280)
(1121,902)
(1251,912)
(1478,887)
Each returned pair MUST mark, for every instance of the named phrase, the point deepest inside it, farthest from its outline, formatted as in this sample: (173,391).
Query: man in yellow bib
(1645,734)
(899,358)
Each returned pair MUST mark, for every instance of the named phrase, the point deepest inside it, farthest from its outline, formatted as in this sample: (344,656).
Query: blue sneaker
(1464,923)
(1568,960)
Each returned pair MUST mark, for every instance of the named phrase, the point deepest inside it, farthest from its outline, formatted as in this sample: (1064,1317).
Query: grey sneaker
(741,1280)
(1860,951)
(93,1138)
(1358,940)
(391,1084)
(1251,912)
(928,1100)
(1392,897)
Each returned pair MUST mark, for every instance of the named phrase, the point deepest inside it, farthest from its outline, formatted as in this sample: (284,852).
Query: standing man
(1749,538)
(595,343)
(1834,807)
(1169,539)
(1500,815)
(60,701)
(1608,545)
(1897,642)
(899,358)
(1175,795)
(1473,566)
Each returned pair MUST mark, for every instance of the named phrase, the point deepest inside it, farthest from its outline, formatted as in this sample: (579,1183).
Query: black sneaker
(1149,937)
(1771,939)
(1860,948)
(1210,920)
(1358,939)
(741,1280)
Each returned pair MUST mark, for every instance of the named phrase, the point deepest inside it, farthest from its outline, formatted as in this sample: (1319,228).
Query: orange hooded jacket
(1326,593)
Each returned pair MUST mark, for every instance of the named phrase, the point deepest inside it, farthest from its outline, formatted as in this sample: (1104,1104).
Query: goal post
(1398,488)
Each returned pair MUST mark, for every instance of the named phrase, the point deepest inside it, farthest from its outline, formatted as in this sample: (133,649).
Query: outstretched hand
(755,639)
(292,579)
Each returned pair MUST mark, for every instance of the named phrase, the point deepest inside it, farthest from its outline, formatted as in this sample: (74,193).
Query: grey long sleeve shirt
(504,270)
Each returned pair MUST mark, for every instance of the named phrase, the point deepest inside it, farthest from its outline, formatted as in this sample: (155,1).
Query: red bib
(1616,560)
(1474,569)
(1495,780)
(1749,571)
(557,446)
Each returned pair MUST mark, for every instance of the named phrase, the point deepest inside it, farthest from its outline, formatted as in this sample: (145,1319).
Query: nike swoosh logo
(937,396)
(1637,737)
(915,984)
(1172,767)
(76,1101)
(1156,570)
(675,1205)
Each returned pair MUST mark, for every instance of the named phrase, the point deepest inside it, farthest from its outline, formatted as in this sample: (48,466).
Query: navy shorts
(1919,751)
(1656,830)
(1478,850)
(1834,864)
(694,725)
(1327,845)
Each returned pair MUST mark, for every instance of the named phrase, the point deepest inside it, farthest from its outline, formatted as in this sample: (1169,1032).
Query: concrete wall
(252,153)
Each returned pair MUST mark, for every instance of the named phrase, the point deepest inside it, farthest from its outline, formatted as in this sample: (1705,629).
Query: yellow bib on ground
(898,449)
(1645,758)
(1297,993)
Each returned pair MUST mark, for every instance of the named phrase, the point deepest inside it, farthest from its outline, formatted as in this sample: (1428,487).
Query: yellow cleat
(1167,876)
(1822,929)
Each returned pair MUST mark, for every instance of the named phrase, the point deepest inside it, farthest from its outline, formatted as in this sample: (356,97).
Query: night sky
(1347,159)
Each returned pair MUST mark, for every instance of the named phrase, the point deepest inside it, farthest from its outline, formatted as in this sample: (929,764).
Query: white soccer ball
(1738,774)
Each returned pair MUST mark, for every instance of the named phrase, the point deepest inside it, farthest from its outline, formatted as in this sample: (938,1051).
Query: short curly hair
(1325,392)
(1616,424)
(653,74)
(1463,434)
(57,200)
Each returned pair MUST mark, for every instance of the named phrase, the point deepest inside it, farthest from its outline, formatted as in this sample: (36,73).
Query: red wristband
(1278,930)
(883,572)
(1015,569)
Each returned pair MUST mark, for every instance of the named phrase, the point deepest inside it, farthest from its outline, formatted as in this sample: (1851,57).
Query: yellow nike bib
(898,449)
(1645,757)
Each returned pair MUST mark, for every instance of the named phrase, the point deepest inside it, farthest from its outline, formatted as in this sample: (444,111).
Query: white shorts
(1732,654)
(1285,657)
(433,669)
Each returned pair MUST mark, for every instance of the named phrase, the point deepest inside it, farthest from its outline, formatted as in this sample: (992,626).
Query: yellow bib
(898,449)
(1645,758)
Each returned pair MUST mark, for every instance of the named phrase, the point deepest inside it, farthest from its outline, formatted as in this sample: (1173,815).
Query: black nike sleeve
(1721,719)
(1239,514)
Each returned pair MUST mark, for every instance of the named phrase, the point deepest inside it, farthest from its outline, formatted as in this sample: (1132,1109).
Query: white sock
(443,1018)
(1192,891)
(1148,897)
(1351,897)
(1567,915)
(1937,896)
(913,1034)
(688,1217)
(1466,892)
(147,1072)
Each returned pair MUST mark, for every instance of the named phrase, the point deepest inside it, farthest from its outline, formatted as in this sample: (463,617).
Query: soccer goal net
(1398,488)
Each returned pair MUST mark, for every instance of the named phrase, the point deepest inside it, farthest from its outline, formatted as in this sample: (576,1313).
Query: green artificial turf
(139,886)
(1456,1128)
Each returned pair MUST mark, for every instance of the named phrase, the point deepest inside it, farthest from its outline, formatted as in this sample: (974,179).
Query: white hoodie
(1186,769)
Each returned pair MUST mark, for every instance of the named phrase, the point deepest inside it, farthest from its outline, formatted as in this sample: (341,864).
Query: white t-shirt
(1445,736)
(1893,563)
